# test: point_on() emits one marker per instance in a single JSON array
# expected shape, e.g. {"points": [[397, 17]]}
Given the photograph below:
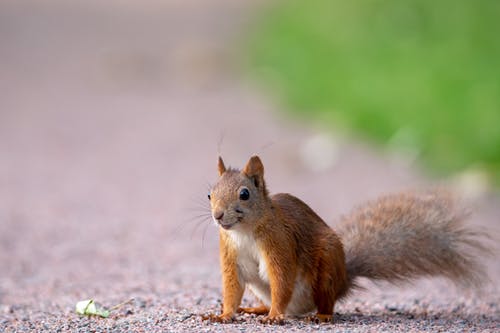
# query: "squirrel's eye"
{"points": [[209, 196], [244, 194]]}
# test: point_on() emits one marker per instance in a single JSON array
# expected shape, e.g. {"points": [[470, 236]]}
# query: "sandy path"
{"points": [[109, 121]]}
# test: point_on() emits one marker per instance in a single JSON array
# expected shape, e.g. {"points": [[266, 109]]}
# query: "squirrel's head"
{"points": [[238, 199]]}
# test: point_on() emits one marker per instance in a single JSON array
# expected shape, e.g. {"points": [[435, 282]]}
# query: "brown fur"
{"points": [[423, 234], [319, 254], [233, 290], [278, 244]]}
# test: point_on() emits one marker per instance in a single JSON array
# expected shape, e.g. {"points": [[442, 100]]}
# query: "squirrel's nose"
{"points": [[218, 215]]}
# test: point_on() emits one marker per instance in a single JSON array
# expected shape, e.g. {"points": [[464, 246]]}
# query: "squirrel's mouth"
{"points": [[227, 226]]}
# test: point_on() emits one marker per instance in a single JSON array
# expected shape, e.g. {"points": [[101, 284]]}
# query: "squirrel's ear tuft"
{"points": [[254, 169], [221, 166]]}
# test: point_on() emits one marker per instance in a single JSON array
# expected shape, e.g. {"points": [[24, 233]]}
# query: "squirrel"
{"points": [[296, 264]]}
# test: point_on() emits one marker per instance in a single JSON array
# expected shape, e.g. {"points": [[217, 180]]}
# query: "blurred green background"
{"points": [[418, 75]]}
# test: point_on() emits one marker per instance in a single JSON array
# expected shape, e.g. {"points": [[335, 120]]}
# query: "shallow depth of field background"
{"points": [[420, 76], [113, 113]]}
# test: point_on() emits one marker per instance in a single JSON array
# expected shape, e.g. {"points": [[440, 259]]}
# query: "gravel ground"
{"points": [[110, 118]]}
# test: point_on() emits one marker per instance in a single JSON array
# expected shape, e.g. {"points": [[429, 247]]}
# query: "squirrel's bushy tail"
{"points": [[401, 237]]}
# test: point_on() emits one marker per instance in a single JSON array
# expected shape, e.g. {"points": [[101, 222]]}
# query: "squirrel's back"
{"points": [[405, 236]]}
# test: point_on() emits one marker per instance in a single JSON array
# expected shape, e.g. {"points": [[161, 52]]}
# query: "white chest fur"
{"points": [[252, 267], [253, 273]]}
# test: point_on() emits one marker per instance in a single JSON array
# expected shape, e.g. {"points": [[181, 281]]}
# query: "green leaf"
{"points": [[89, 308], [86, 307]]}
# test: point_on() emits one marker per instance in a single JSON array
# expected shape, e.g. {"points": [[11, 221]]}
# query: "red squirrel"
{"points": [[295, 264]]}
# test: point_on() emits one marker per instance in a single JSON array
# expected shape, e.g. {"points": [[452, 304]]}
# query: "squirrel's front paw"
{"points": [[274, 319], [223, 318]]}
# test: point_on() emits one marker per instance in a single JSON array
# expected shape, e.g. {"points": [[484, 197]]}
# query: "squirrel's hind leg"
{"points": [[324, 298], [320, 318], [331, 279], [325, 304], [258, 310], [325, 311]]}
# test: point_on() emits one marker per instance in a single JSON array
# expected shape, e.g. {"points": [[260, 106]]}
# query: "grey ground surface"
{"points": [[110, 118]]}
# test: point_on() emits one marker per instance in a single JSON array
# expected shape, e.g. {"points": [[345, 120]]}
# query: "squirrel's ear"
{"points": [[221, 166], [254, 169]]}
